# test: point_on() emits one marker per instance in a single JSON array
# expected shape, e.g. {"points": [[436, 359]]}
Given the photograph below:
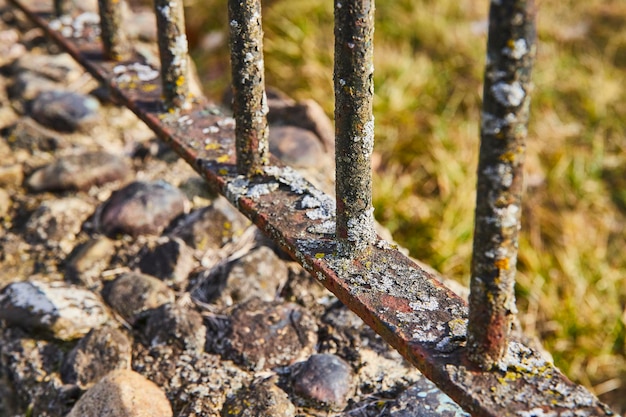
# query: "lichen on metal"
{"points": [[402, 302], [506, 97], [173, 51], [248, 74], [112, 33], [354, 124]]}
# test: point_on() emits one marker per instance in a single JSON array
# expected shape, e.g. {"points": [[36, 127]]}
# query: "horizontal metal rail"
{"points": [[406, 305]]}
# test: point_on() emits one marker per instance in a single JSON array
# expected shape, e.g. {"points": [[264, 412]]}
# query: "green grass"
{"points": [[428, 81]]}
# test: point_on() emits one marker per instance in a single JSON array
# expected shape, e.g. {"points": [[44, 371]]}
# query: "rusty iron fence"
{"points": [[466, 350]]}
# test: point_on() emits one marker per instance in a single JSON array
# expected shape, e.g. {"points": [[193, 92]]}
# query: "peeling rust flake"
{"points": [[407, 306]]}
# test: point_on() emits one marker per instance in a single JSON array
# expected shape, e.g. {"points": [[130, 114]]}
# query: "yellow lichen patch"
{"points": [[319, 255], [180, 81], [222, 159], [508, 157], [222, 171], [148, 87], [212, 146], [502, 264]]}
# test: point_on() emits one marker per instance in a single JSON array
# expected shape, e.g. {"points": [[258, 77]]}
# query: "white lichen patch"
{"points": [[516, 49], [537, 412], [361, 227], [500, 174], [506, 216], [290, 177], [211, 130], [521, 358], [326, 228], [508, 95], [259, 190], [179, 49], [492, 125], [127, 73], [75, 28], [236, 188], [427, 304], [226, 122]]}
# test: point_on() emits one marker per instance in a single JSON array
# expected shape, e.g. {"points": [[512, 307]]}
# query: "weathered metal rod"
{"points": [[506, 99], [113, 36], [173, 50], [354, 124], [248, 72]]}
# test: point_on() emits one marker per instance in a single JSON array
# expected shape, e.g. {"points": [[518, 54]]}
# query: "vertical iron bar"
{"points": [[113, 36], [61, 7], [248, 72], [354, 124], [173, 50], [506, 99]]}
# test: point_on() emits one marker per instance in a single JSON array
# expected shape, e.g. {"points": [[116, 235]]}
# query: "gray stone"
{"points": [[195, 383], [28, 134], [141, 208], [176, 326], [56, 223], [123, 393], [259, 274], [261, 399], [64, 311], [211, 227], [79, 172], [88, 260], [58, 68], [132, 293], [424, 399], [323, 381], [31, 366], [98, 353], [65, 111], [297, 146], [26, 86], [170, 260], [265, 335]]}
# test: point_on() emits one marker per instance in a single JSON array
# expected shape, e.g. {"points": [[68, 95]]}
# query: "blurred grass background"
{"points": [[429, 58]]}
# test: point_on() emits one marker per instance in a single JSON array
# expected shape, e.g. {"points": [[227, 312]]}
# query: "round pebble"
{"points": [[176, 326], [132, 293], [65, 311], [98, 353], [265, 335], [65, 111], [123, 393], [79, 172], [141, 208], [171, 260], [262, 399], [324, 381]]}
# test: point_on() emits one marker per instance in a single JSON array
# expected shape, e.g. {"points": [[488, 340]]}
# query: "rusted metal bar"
{"points": [[354, 124], [506, 98], [112, 33], [402, 302], [61, 7], [249, 100], [173, 50]]}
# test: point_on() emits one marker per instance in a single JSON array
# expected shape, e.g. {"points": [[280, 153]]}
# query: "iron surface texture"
{"points": [[407, 306]]}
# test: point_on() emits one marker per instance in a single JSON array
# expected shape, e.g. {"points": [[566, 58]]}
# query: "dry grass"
{"points": [[429, 62]]}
